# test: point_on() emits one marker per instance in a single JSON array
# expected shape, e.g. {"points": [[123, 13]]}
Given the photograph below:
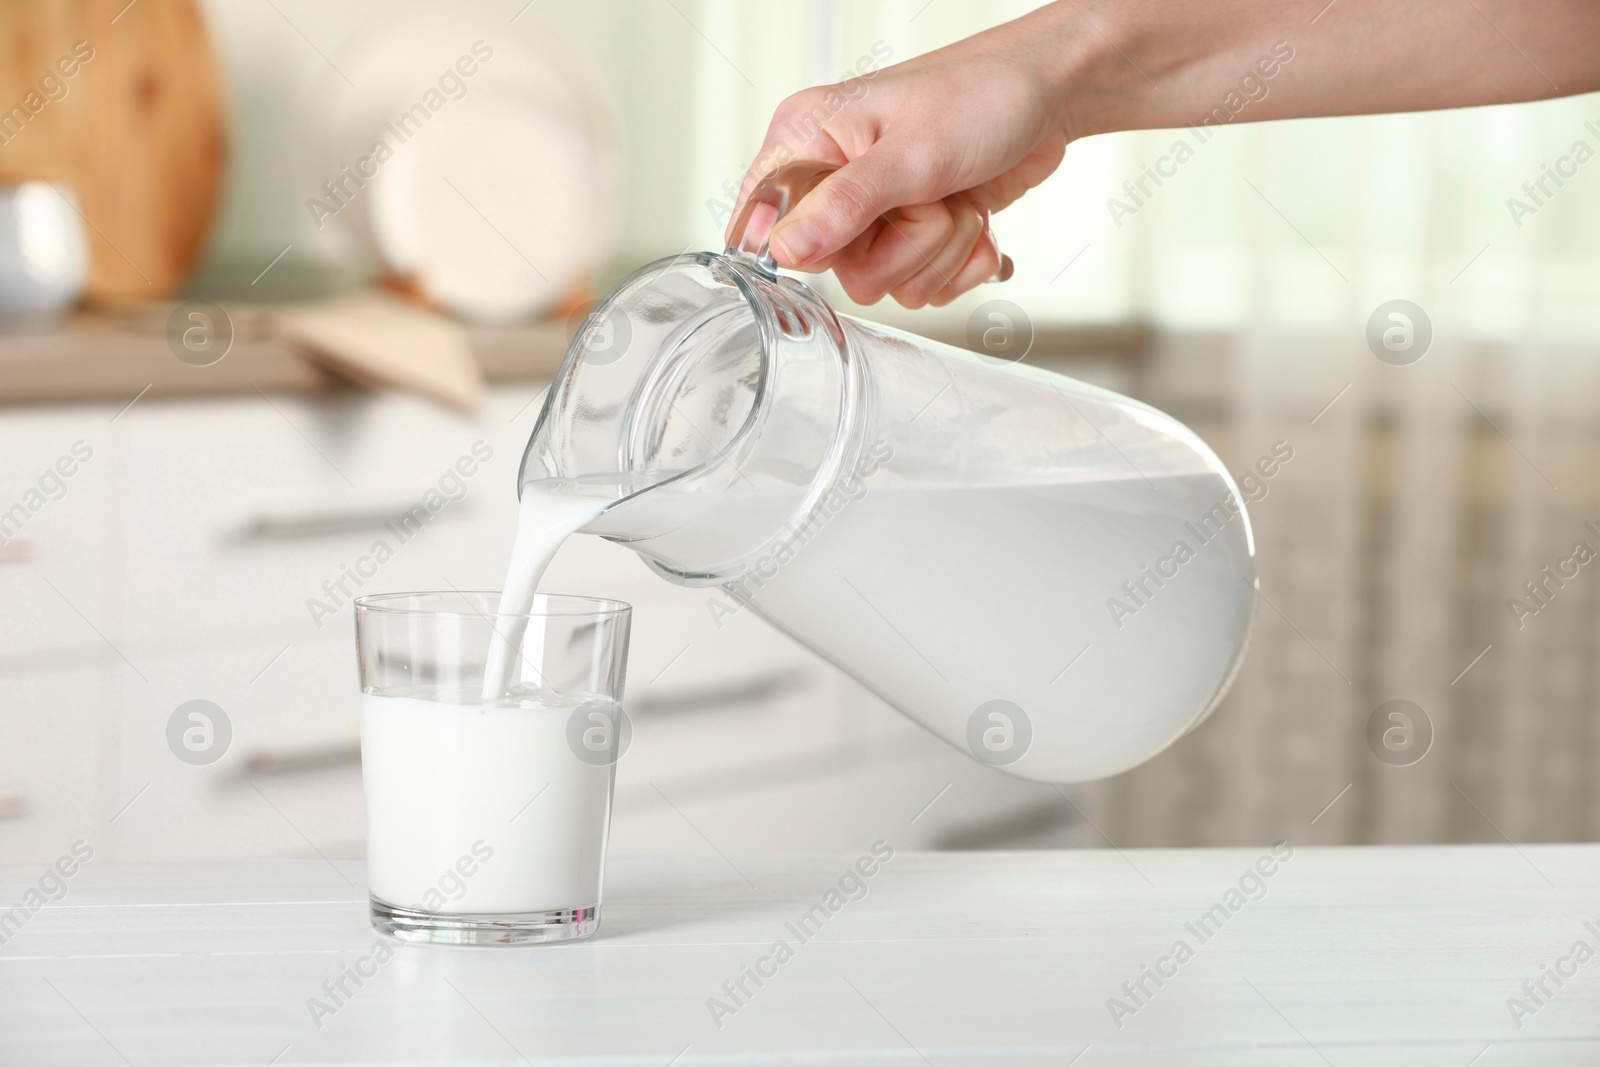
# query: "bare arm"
{"points": [[945, 139], [1351, 57]]}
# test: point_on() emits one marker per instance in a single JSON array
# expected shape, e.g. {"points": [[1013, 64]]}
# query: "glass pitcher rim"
{"points": [[745, 272]]}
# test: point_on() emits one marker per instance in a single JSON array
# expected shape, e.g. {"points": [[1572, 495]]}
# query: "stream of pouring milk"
{"points": [[450, 774], [544, 521]]}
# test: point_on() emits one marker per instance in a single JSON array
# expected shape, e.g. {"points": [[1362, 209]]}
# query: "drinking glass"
{"points": [[487, 819]]}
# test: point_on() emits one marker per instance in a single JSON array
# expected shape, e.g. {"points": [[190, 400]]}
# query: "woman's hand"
{"points": [[925, 153]]}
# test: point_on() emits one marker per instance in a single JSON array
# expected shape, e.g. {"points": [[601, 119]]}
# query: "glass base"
{"points": [[517, 928]]}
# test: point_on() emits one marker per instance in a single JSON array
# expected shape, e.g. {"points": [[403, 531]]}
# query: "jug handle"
{"points": [[783, 188]]}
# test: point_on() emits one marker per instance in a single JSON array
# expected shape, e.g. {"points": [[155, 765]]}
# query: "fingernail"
{"points": [[794, 242]]}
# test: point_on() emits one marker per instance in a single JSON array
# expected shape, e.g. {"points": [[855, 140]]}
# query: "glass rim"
{"points": [[561, 605]]}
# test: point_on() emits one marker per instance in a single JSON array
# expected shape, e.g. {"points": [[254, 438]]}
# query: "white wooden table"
{"points": [[1351, 956]]}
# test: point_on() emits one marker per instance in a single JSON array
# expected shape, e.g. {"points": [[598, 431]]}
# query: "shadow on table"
{"points": [[655, 896]]}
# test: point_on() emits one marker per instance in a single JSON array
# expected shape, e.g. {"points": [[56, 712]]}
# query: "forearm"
{"points": [[949, 137], [1142, 64]]}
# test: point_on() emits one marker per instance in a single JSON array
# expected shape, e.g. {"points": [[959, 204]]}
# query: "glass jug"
{"points": [[1054, 579]]}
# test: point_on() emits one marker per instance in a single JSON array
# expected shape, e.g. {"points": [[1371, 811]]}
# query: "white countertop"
{"points": [[1351, 956]]}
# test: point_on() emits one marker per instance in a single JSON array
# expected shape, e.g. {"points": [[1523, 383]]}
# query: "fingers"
{"points": [[940, 268], [906, 242], [845, 204], [983, 265], [924, 254], [852, 252], [878, 221], [781, 146]]}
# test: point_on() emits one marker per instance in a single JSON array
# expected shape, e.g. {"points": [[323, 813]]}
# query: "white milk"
{"points": [[447, 778], [942, 600], [544, 521]]}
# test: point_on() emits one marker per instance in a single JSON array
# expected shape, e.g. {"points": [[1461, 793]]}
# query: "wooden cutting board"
{"points": [[135, 130]]}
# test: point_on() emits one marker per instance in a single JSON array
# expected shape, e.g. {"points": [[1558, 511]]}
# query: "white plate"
{"points": [[497, 194]]}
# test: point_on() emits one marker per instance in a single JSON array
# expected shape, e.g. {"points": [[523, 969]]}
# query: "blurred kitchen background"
{"points": [[221, 493]]}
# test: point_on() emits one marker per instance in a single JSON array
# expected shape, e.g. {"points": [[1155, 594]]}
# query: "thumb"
{"points": [[844, 204]]}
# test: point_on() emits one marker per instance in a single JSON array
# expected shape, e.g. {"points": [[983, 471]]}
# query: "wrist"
{"points": [[1081, 51], [1149, 64], [1136, 64]]}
